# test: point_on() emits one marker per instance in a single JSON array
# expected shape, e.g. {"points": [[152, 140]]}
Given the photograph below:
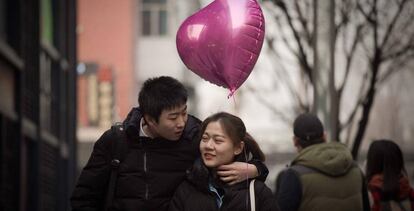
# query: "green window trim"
{"points": [[47, 21]]}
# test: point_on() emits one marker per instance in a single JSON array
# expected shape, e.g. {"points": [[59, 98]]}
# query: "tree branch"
{"points": [[349, 58], [375, 66], [405, 25], [396, 66], [344, 13], [375, 26], [283, 75], [302, 57], [399, 53], [285, 40], [270, 106], [365, 14], [359, 102], [304, 23], [390, 26]]}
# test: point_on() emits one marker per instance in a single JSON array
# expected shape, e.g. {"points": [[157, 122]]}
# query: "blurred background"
{"points": [[70, 69]]}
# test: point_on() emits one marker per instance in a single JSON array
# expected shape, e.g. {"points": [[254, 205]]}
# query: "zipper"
{"points": [[145, 162], [145, 173], [214, 200]]}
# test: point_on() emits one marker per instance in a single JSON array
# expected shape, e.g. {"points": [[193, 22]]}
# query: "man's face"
{"points": [[171, 123]]}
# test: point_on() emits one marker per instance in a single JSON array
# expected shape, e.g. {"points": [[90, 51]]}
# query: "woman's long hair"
{"points": [[385, 157], [236, 130]]}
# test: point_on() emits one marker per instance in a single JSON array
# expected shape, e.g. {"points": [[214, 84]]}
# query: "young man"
{"points": [[323, 176], [161, 144]]}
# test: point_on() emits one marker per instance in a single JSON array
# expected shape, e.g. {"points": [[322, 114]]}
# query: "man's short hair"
{"points": [[161, 93], [308, 129]]}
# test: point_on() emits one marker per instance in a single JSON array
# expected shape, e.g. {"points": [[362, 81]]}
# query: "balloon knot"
{"points": [[232, 92]]}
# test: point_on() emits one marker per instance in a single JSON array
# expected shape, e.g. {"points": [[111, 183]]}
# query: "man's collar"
{"points": [[141, 128]]}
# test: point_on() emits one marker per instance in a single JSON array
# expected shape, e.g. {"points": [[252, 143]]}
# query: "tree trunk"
{"points": [[323, 71], [335, 124], [366, 106]]}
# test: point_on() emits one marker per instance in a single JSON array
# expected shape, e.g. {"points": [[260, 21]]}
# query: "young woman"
{"points": [[387, 178], [224, 140]]}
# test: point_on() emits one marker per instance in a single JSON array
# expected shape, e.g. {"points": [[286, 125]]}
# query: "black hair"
{"points": [[308, 130], [385, 157], [160, 93], [236, 130]]}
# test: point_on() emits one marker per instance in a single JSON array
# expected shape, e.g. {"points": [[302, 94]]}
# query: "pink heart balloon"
{"points": [[222, 41]]}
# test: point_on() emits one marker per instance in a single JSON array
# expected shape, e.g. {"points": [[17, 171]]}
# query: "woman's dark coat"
{"points": [[194, 194]]}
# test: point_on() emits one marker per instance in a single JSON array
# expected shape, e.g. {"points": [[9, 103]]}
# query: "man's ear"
{"points": [[324, 137], [239, 148], [150, 120], [296, 143]]}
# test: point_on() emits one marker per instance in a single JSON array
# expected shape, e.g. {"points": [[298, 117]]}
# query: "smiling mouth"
{"points": [[208, 156]]}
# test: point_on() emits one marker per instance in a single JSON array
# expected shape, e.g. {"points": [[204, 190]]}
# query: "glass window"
{"points": [[154, 18], [146, 23], [2, 20], [7, 87], [162, 22], [10, 28], [45, 91]]}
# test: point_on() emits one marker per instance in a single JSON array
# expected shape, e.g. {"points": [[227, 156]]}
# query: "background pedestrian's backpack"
{"points": [[118, 151]]}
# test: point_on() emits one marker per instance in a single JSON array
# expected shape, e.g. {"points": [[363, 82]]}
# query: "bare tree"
{"points": [[374, 39]]}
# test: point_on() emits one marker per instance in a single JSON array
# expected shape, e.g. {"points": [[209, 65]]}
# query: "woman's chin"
{"points": [[213, 165], [210, 164]]}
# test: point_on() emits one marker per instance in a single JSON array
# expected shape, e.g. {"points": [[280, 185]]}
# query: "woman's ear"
{"points": [[239, 148]]}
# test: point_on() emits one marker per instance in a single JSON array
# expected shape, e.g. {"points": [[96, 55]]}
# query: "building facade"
{"points": [[38, 104], [158, 22], [107, 88]]}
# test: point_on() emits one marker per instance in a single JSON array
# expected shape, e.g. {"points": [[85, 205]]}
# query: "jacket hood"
{"points": [[333, 159], [132, 121], [198, 175]]}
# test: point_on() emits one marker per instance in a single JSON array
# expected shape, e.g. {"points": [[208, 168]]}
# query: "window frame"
{"points": [[154, 9]]}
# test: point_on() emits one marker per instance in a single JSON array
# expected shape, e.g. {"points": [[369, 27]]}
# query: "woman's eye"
{"points": [[204, 138], [218, 141]]}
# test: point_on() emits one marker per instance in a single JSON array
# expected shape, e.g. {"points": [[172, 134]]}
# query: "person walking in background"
{"points": [[388, 183], [149, 154], [323, 176], [224, 140]]}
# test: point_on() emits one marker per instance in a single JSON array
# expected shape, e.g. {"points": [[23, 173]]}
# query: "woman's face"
{"points": [[216, 147]]}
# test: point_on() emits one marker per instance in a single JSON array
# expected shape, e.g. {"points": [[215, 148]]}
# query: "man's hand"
{"points": [[236, 172]]}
